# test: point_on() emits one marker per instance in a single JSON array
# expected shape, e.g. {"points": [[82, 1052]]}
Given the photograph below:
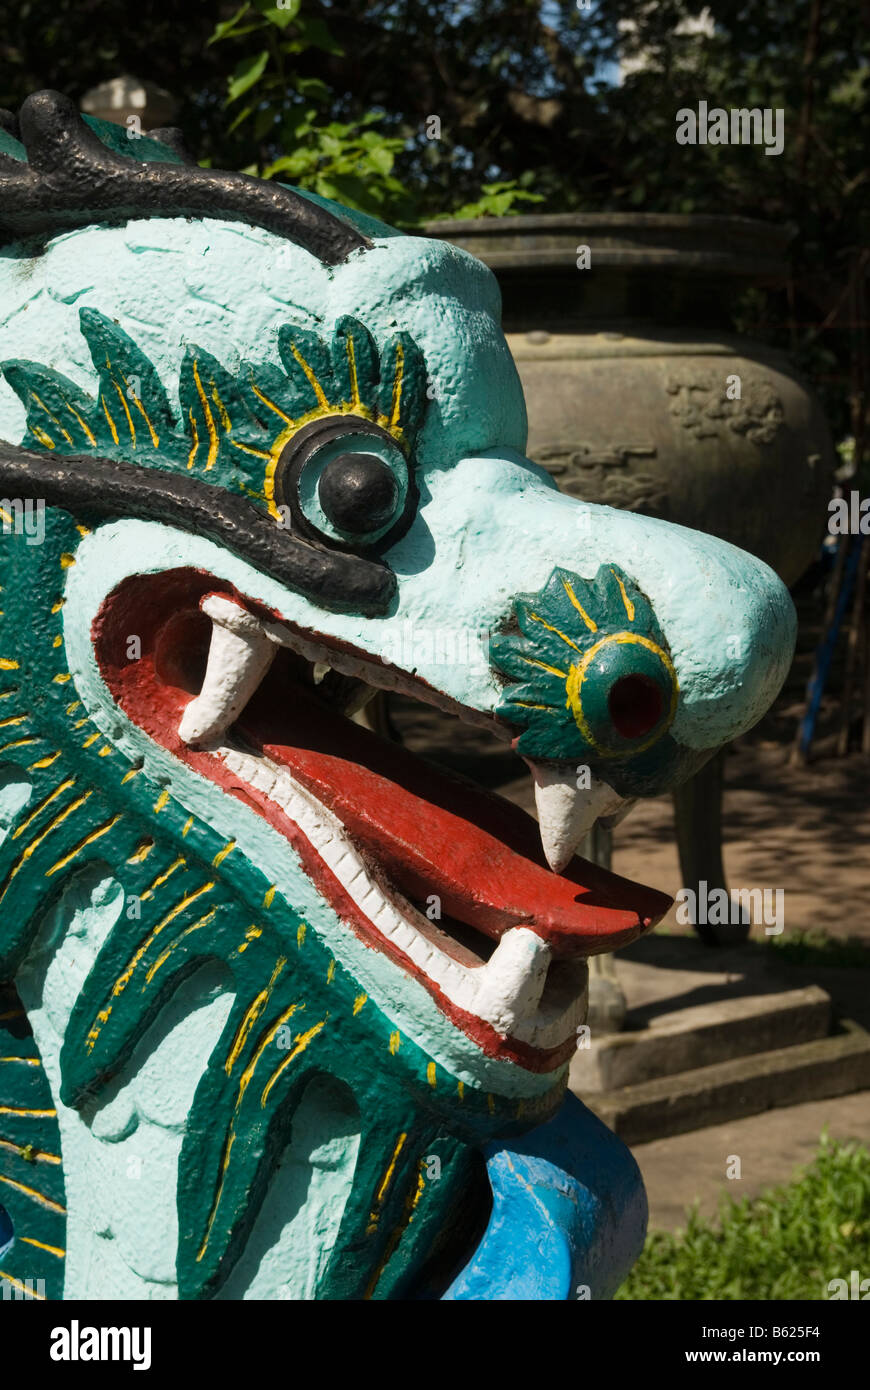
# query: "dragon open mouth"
{"points": [[448, 880]]}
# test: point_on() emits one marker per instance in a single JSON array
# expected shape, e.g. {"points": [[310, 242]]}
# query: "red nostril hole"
{"points": [[635, 704]]}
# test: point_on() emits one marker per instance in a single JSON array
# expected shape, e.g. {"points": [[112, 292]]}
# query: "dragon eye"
{"points": [[346, 480], [358, 492]]}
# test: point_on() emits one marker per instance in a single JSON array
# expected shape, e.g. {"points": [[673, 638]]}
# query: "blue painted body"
{"points": [[552, 1235]]}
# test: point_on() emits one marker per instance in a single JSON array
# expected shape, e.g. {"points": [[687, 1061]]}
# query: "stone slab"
{"points": [[832, 1066], [700, 1036]]}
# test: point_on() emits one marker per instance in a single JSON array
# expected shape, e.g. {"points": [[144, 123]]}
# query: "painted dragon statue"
{"points": [[288, 1010]]}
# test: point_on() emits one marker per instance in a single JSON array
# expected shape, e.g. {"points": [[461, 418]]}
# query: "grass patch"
{"points": [[786, 1243], [815, 947]]}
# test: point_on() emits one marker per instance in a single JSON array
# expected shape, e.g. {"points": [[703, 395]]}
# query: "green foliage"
{"points": [[498, 200], [349, 161], [816, 948], [787, 1243], [527, 104]]}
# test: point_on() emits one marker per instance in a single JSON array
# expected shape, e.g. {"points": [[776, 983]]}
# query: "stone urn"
{"points": [[640, 396]]}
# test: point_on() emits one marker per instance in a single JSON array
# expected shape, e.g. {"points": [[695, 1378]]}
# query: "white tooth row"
{"points": [[241, 652], [506, 992]]}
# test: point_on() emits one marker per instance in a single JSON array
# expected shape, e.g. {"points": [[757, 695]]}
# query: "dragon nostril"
{"points": [[635, 704]]}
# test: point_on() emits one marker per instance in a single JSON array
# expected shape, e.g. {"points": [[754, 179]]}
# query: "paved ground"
{"points": [[770, 1147]]}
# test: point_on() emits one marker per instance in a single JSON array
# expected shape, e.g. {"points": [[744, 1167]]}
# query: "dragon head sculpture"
{"points": [[282, 983]]}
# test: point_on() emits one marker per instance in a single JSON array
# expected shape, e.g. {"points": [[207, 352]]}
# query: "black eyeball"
{"points": [[358, 493]]}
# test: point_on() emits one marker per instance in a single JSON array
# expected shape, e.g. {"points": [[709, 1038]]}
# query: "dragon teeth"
{"points": [[566, 812], [510, 985], [239, 656]]}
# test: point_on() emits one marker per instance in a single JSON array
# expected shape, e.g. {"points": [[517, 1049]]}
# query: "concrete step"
{"points": [[700, 1036], [688, 1100]]}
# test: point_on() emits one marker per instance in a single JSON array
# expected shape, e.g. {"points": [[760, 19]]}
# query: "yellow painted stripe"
{"points": [[97, 834], [550, 628], [542, 666], [40, 1245], [312, 379], [271, 404], [40, 402], [226, 422], [34, 844], [46, 801], [112, 426], [222, 853], [31, 1192], [374, 1214], [590, 623], [247, 449], [629, 606], [252, 1013], [28, 1152], [26, 1114], [188, 931], [44, 762], [163, 876], [350, 353], [122, 398], [299, 1046], [126, 975], [398, 377], [18, 743], [17, 1284], [43, 438], [244, 1081], [191, 458], [145, 416], [85, 428], [411, 1202], [209, 418]]}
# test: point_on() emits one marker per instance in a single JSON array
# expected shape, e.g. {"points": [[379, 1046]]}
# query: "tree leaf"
{"points": [[281, 15], [229, 25], [247, 72]]}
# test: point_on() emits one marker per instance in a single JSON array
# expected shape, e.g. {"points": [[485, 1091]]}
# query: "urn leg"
{"points": [[606, 1012], [698, 815]]}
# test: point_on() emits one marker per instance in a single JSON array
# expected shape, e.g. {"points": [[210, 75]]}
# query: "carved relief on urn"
{"points": [[639, 396]]}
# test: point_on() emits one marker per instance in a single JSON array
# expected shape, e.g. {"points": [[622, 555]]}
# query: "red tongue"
{"points": [[433, 833]]}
